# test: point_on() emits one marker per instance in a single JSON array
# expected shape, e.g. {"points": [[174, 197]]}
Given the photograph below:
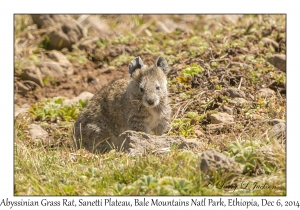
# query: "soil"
{"points": [[87, 77]]}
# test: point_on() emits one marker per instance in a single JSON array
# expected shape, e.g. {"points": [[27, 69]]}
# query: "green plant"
{"points": [[183, 127], [254, 77], [219, 87], [78, 57], [188, 73], [45, 43], [54, 109], [250, 155], [121, 60]]}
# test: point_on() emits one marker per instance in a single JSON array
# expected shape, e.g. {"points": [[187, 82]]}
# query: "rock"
{"points": [[275, 121], [82, 96], [21, 88], [279, 61], [235, 93], [52, 69], [189, 144], [213, 161], [22, 109], [221, 117], [226, 109], [139, 143], [268, 41], [99, 27], [66, 30], [231, 18], [87, 43], [226, 18], [168, 26], [266, 92], [63, 61], [239, 101], [278, 130], [38, 134], [214, 127], [32, 73]]}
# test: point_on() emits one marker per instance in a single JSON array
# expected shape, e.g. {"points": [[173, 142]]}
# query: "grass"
{"points": [[199, 64], [61, 171]]}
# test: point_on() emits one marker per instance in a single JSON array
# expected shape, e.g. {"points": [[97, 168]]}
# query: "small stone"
{"points": [[214, 127], [226, 109], [19, 110], [189, 144], [278, 130], [266, 92], [233, 19], [168, 26], [221, 117], [32, 73], [268, 41], [239, 101], [65, 30], [38, 134], [52, 69], [275, 121], [140, 143], [235, 93], [63, 61], [82, 96], [279, 61], [59, 57], [99, 27], [87, 43], [213, 161]]}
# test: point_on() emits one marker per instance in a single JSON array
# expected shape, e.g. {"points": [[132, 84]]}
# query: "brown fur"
{"points": [[139, 104]]}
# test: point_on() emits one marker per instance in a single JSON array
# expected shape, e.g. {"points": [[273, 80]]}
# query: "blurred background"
{"points": [[67, 54]]}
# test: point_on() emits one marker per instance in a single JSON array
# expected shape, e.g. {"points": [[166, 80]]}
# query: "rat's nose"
{"points": [[150, 102]]}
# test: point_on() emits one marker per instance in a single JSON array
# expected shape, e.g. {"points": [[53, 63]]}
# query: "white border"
{"points": [[154, 6]]}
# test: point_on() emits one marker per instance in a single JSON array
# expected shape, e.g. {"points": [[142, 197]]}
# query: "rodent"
{"points": [[139, 103]]}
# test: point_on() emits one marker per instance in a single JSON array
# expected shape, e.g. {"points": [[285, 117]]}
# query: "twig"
{"points": [[82, 18], [31, 82], [144, 27], [223, 56], [266, 134], [279, 94], [240, 83], [185, 107], [217, 60], [211, 54], [178, 110], [208, 74]]}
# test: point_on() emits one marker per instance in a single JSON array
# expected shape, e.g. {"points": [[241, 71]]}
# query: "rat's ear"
{"points": [[136, 63], [162, 63]]}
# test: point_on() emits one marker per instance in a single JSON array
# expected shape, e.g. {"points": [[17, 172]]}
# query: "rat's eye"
{"points": [[157, 87], [142, 89]]}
